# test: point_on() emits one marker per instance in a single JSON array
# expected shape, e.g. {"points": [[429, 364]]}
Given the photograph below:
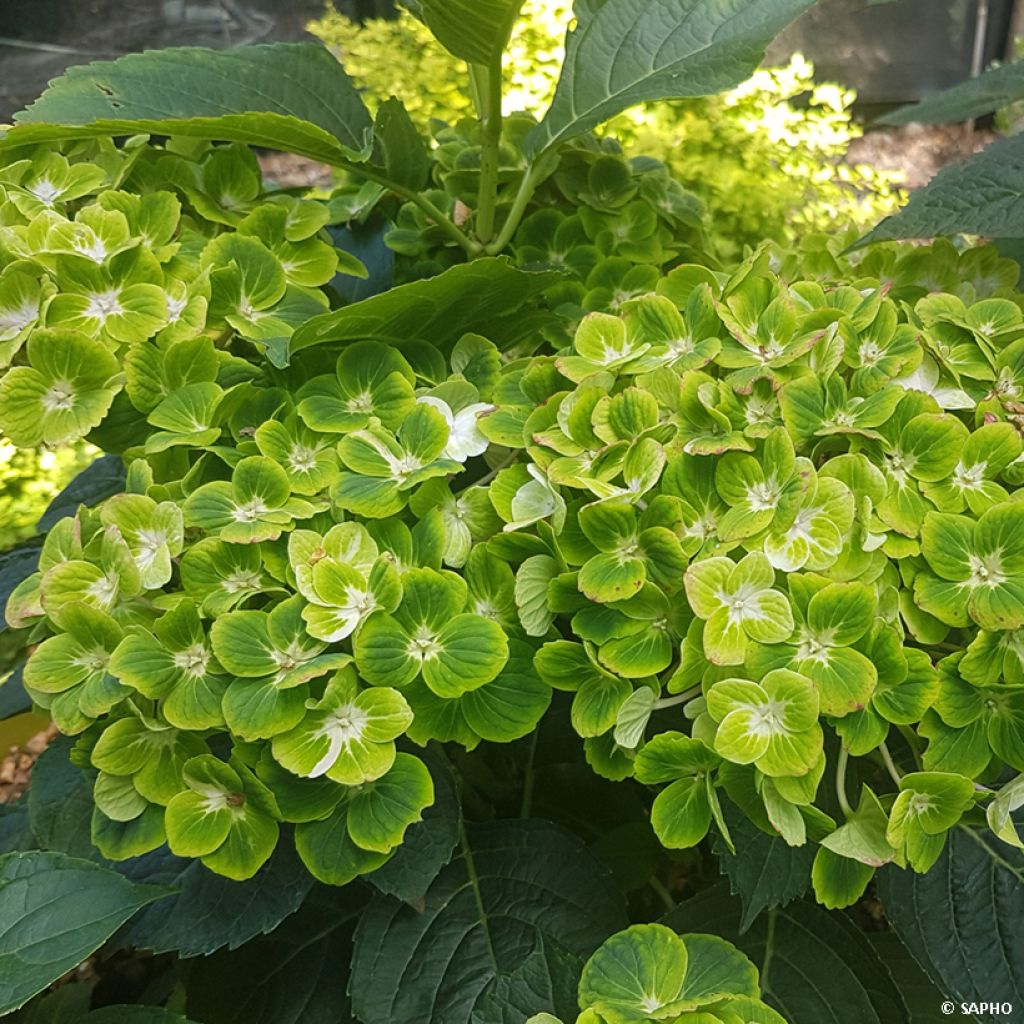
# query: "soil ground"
{"points": [[16, 766], [918, 151]]}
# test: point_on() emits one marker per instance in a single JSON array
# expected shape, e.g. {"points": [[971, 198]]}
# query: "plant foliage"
{"points": [[766, 158], [398, 594]]}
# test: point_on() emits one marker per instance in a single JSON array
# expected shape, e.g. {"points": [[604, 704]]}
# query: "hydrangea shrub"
{"points": [[679, 555]]}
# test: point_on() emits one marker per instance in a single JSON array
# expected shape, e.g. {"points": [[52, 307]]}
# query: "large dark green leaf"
{"points": [[984, 196], [60, 803], [289, 96], [135, 1015], [443, 308], [477, 31], [366, 243], [97, 481], [964, 919], [764, 871], [296, 975], [919, 993], [816, 966], [209, 912], [428, 844], [14, 831], [991, 90], [54, 911], [508, 921], [624, 53], [13, 698]]}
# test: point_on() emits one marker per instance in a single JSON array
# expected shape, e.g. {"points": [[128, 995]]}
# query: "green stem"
{"points": [[526, 189], [890, 765], [914, 742], [489, 86], [663, 894], [769, 950], [844, 804], [488, 477], [471, 248], [682, 698], [474, 884], [526, 806]]}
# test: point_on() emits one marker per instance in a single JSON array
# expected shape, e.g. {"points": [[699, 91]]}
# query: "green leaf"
{"points": [[379, 812], [963, 919], [289, 96], [982, 196], [399, 147], [55, 911], [504, 898], [476, 31], [296, 975], [993, 89], [60, 803], [206, 911], [209, 912], [13, 698], [622, 55], [764, 871], [135, 1015], [468, 297], [647, 971], [428, 844], [817, 967]]}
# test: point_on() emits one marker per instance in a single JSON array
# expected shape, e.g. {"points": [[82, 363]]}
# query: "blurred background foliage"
{"points": [[767, 158], [30, 480]]}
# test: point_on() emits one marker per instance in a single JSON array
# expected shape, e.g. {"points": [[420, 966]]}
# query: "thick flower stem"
{"points": [[489, 91]]}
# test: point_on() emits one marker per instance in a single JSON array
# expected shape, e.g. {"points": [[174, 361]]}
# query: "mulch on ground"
{"points": [[16, 766]]}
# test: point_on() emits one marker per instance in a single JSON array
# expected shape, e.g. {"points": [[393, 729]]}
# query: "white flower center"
{"points": [[301, 459], [104, 590], [423, 646], [175, 307], [763, 497], [987, 571], [93, 248], [242, 579], [766, 719], [405, 466], [361, 403], [94, 661], [870, 353], [249, 512], [45, 191], [18, 319], [104, 304], [193, 660], [970, 478], [61, 396]]}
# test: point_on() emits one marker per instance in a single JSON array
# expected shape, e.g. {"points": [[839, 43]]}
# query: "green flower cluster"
{"points": [[113, 256], [736, 516], [648, 972]]}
